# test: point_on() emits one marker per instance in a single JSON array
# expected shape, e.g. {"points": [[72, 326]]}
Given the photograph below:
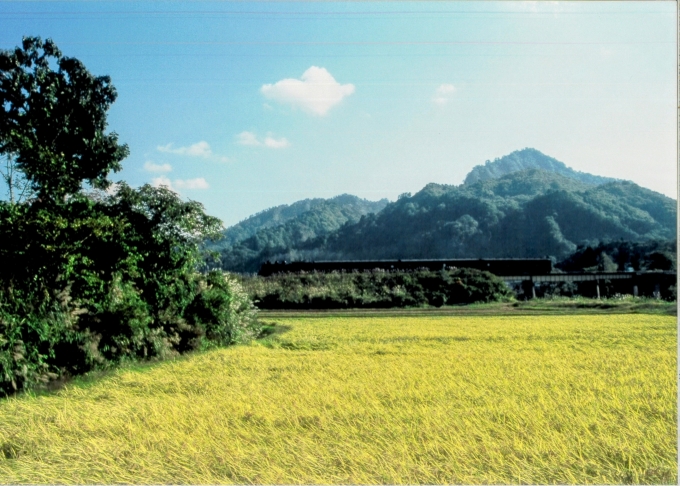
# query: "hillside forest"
{"points": [[523, 205]]}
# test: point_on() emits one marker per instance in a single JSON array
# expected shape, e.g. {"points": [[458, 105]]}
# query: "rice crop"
{"points": [[390, 400]]}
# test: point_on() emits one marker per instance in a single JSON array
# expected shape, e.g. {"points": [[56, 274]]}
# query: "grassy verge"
{"points": [[548, 306], [462, 399]]}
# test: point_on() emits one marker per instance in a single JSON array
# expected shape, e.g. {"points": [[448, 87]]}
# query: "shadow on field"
{"points": [[271, 329]]}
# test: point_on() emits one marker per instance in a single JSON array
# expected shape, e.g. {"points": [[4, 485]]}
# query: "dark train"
{"points": [[497, 266]]}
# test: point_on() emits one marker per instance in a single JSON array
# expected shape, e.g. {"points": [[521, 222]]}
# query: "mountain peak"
{"points": [[529, 158]]}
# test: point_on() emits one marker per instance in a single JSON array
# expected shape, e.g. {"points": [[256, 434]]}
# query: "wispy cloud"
{"points": [[316, 91], [199, 149], [274, 143], [177, 184], [443, 94], [606, 51], [161, 181], [198, 183], [153, 167], [249, 138]]}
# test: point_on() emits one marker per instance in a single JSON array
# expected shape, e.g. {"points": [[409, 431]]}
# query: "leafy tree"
{"points": [[53, 119], [621, 256], [93, 278], [661, 261]]}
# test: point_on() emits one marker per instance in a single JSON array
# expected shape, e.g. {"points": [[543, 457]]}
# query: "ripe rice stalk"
{"points": [[399, 400]]}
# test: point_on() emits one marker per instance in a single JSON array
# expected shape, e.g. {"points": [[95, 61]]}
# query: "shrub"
{"points": [[374, 289], [69, 340], [26, 345], [223, 310]]}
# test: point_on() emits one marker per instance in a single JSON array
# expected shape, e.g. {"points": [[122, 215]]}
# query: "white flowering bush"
{"points": [[224, 310]]}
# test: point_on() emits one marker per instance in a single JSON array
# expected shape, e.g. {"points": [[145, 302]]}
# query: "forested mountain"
{"points": [[283, 228], [526, 213], [279, 215], [530, 213], [529, 158]]}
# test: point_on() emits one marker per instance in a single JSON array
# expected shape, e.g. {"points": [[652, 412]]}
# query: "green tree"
{"points": [[91, 277], [53, 120]]}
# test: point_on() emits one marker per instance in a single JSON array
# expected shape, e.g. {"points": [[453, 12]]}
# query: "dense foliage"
{"points": [[622, 256], [94, 278], [344, 208], [377, 289], [275, 231], [53, 121]]}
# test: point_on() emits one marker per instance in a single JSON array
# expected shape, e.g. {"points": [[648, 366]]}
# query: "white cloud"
{"points": [[273, 143], [198, 183], [152, 167], [161, 181], [199, 149], [315, 92], [443, 94], [249, 138]]}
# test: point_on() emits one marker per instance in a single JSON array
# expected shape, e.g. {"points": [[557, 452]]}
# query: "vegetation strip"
{"points": [[556, 306]]}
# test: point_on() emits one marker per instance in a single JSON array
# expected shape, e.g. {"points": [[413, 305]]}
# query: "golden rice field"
{"points": [[515, 399]]}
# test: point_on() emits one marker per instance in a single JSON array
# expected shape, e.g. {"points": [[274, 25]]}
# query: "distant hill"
{"points": [[531, 213], [529, 158], [525, 213], [284, 227], [279, 215]]}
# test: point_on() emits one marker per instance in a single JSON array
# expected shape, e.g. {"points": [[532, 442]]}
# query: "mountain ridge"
{"points": [[531, 212], [279, 215], [322, 217]]}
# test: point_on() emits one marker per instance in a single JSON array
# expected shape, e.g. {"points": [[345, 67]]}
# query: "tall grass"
{"points": [[566, 399]]}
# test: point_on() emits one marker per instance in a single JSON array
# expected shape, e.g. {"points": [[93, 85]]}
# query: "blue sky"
{"points": [[245, 106]]}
